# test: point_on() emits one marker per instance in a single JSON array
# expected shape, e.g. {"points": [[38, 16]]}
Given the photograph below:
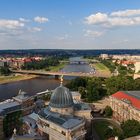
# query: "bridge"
{"points": [[56, 74]]}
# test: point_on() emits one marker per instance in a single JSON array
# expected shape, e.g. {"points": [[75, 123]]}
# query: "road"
{"points": [[77, 74]]}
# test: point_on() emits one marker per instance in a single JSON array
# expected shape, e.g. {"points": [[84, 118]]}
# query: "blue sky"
{"points": [[69, 24]]}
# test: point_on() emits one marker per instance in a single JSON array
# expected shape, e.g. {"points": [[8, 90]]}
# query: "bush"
{"points": [[108, 111], [130, 128]]}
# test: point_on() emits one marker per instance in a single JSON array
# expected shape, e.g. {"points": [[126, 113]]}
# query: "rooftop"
{"points": [[135, 94], [21, 96], [131, 97], [61, 98], [82, 106], [65, 121], [75, 93], [6, 107]]}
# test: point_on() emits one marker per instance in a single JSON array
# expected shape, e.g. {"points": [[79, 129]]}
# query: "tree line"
{"points": [[4, 71], [45, 63], [93, 89]]}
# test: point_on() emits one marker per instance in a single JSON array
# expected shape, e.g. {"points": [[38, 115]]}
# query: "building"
{"points": [[3, 64], [76, 96], [125, 105], [104, 56], [137, 67], [27, 102], [9, 114], [12, 110], [63, 119]]}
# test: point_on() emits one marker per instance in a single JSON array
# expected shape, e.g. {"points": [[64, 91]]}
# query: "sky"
{"points": [[69, 24]]}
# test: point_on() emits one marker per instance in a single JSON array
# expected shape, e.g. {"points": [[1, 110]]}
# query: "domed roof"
{"points": [[61, 98]]}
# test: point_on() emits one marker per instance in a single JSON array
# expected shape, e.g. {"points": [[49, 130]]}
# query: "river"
{"points": [[35, 85]]}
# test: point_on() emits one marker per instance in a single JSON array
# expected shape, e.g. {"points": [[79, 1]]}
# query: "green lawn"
{"points": [[57, 68], [101, 66], [12, 78]]}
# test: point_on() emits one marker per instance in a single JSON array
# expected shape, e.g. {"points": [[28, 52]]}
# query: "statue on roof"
{"points": [[61, 80]]}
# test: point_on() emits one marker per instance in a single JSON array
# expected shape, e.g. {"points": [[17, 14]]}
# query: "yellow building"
{"points": [[125, 105]]}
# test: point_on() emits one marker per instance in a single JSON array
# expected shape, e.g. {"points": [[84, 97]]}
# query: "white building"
{"points": [[137, 66], [63, 119]]}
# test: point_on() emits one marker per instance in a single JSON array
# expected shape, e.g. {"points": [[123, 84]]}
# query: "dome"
{"points": [[61, 98]]}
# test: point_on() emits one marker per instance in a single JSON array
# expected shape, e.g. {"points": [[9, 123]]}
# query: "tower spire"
{"points": [[61, 80]]}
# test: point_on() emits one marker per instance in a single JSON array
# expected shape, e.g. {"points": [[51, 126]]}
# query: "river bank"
{"points": [[15, 78]]}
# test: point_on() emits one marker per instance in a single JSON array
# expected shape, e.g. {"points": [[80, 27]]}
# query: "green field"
{"points": [[100, 66], [57, 68], [12, 78]]}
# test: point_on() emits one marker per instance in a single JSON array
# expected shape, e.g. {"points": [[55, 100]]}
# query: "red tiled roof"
{"points": [[121, 95]]}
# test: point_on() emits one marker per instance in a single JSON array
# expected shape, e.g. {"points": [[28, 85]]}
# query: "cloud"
{"points": [[126, 13], [96, 18], [10, 24], [35, 29], [23, 19], [119, 18], [41, 19], [60, 38], [123, 41], [93, 34]]}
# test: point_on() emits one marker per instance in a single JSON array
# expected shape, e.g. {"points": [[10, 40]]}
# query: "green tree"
{"points": [[108, 111], [4, 71], [95, 90], [120, 82], [130, 128], [46, 63], [122, 70], [77, 82], [82, 91], [11, 121]]}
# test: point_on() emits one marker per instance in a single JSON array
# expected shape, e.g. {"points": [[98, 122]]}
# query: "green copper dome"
{"points": [[61, 98]]}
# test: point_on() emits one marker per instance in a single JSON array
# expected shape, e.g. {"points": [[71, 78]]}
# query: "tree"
{"points": [[130, 128], [11, 121], [122, 70], [108, 111], [82, 91], [4, 71], [77, 82], [120, 82], [46, 63], [90, 88], [94, 89]]}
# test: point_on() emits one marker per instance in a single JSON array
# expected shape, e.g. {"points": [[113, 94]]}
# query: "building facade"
{"points": [[125, 105], [9, 115], [137, 67], [63, 119], [26, 102]]}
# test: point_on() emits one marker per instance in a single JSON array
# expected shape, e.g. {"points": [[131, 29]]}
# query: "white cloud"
{"points": [[121, 41], [94, 34], [60, 38], [35, 29], [126, 13], [41, 19], [23, 19], [120, 18], [96, 18], [10, 24]]}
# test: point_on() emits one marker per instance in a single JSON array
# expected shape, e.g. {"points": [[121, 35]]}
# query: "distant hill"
{"points": [[61, 52]]}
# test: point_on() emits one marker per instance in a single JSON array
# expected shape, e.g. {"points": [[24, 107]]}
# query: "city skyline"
{"points": [[52, 24]]}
